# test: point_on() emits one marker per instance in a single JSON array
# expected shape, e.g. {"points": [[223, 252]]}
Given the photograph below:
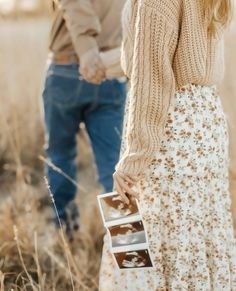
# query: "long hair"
{"points": [[219, 14]]}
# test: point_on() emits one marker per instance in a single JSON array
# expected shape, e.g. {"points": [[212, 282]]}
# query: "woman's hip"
{"points": [[195, 137]]}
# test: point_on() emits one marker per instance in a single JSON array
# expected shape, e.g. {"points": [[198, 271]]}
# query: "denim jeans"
{"points": [[68, 100]]}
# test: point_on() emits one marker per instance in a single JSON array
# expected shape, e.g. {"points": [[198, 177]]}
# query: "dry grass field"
{"points": [[33, 256]]}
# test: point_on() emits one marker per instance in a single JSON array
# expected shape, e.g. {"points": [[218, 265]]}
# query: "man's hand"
{"points": [[123, 185], [91, 67]]}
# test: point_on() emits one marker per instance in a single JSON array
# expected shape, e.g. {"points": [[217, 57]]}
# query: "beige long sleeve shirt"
{"points": [[79, 25]]}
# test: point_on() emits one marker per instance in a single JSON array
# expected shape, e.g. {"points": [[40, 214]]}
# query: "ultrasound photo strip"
{"points": [[114, 211], [128, 237]]}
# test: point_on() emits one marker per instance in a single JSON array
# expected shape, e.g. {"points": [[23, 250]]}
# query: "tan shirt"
{"points": [[166, 46], [79, 25]]}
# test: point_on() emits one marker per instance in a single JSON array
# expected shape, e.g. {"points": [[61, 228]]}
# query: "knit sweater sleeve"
{"points": [[152, 88]]}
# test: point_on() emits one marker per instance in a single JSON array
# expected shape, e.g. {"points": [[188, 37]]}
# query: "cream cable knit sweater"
{"points": [[166, 45]]}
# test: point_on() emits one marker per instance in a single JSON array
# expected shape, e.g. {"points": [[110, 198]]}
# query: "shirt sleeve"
{"points": [[152, 88], [82, 23], [111, 61]]}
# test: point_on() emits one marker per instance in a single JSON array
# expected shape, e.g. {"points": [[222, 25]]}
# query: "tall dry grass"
{"points": [[33, 255]]}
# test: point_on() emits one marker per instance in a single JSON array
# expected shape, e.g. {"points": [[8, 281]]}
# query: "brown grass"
{"points": [[33, 255]]}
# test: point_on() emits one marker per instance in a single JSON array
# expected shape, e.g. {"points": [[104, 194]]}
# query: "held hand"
{"points": [[123, 185], [91, 67]]}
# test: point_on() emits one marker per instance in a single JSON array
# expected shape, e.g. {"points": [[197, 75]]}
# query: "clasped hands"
{"points": [[92, 68]]}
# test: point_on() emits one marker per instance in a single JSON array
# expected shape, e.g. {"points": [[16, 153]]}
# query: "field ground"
{"points": [[33, 256]]}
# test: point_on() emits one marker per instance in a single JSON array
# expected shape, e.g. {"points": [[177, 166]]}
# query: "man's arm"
{"points": [[84, 25], [82, 22]]}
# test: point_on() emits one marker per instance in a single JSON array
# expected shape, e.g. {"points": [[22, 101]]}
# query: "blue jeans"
{"points": [[67, 102]]}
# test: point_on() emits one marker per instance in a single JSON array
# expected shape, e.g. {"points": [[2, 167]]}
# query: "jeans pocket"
{"points": [[61, 90]]}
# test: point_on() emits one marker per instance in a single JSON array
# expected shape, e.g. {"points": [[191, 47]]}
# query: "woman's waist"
{"points": [[198, 90]]}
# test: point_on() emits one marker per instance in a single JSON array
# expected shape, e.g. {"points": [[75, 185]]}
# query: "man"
{"points": [[83, 33]]}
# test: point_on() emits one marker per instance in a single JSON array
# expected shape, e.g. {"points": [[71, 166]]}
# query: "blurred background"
{"points": [[33, 256], [20, 7]]}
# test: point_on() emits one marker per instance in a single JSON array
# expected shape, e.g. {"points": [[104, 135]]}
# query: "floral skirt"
{"points": [[185, 203]]}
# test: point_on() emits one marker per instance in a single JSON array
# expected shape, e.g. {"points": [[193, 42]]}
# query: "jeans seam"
{"points": [[94, 104]]}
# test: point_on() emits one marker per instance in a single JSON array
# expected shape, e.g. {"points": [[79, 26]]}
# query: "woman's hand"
{"points": [[123, 185]]}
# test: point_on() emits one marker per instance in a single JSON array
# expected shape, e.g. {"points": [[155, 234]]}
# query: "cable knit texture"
{"points": [[166, 45]]}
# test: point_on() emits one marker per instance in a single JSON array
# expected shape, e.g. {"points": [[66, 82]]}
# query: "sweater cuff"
{"points": [[85, 43], [133, 168]]}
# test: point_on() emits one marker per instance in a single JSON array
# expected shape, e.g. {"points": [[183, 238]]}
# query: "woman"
{"points": [[175, 149]]}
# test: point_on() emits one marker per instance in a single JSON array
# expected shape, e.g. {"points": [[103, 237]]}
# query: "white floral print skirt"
{"points": [[185, 203]]}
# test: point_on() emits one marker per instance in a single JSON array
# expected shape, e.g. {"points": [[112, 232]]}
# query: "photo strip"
{"points": [[113, 209], [128, 237], [127, 234], [137, 258]]}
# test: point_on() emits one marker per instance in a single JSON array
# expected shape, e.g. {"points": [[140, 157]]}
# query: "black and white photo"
{"points": [[134, 259], [127, 234], [113, 208]]}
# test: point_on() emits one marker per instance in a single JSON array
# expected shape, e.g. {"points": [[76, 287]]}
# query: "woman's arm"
{"points": [[111, 61], [152, 88]]}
